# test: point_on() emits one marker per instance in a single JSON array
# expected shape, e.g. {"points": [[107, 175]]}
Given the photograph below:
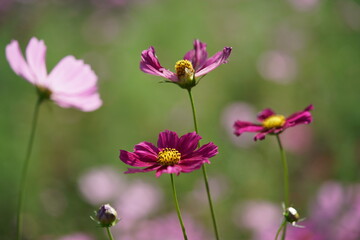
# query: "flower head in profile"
{"points": [[71, 83], [188, 70], [272, 123], [171, 155]]}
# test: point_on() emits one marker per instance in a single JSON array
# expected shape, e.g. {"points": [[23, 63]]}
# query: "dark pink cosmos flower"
{"points": [[172, 154], [71, 83], [194, 64], [273, 123]]}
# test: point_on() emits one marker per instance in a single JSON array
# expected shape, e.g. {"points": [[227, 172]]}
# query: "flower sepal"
{"points": [[43, 93]]}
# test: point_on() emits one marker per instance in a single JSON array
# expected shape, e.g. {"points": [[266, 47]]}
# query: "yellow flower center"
{"points": [[274, 121], [184, 70], [168, 157]]}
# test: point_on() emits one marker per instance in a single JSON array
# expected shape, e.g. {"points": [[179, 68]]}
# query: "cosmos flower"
{"points": [[172, 154], [272, 123], [71, 83], [188, 70]]}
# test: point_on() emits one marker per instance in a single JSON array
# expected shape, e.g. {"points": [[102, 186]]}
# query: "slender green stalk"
{"points": [[280, 228], [109, 233], [25, 169], [177, 207], [204, 171], [286, 181]]}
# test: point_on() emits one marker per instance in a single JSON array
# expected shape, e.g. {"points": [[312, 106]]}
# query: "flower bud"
{"points": [[291, 215], [106, 216]]}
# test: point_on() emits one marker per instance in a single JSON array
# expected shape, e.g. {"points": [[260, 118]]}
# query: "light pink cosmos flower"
{"points": [[71, 83], [194, 64], [172, 154], [273, 123]]}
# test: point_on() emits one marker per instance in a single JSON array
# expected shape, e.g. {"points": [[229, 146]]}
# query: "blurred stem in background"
{"points": [[177, 207], [204, 170], [286, 187], [25, 168]]}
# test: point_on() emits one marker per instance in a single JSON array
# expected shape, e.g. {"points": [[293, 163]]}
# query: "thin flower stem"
{"points": [[109, 233], [286, 181], [204, 171], [25, 169], [280, 228], [177, 207]]}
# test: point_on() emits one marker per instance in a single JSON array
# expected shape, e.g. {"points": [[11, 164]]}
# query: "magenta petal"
{"points": [[146, 151], [148, 169], [261, 135], [168, 169], [150, 64], [191, 166], [296, 115], [198, 55], [214, 62], [17, 62], [265, 114], [132, 159], [241, 127], [168, 139], [202, 154], [188, 143]]}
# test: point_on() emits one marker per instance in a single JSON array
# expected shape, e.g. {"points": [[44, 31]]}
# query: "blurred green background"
{"points": [[286, 55]]}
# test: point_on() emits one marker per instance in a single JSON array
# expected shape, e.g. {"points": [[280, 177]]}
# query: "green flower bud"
{"points": [[106, 216]]}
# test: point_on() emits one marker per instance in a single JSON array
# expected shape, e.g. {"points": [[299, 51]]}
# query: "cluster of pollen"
{"points": [[168, 157], [184, 70], [274, 121]]}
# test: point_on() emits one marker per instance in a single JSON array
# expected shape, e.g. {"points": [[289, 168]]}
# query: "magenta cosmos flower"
{"points": [[272, 123], [172, 154], [188, 70], [71, 83]]}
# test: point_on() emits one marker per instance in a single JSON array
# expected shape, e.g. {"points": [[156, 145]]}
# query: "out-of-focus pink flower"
{"points": [[219, 188], [304, 5], [132, 206], [350, 12], [101, 185], [172, 154], [298, 140], [76, 236], [273, 123], [166, 228], [336, 210], [258, 216], [233, 112], [334, 215], [277, 66], [71, 83], [194, 64]]}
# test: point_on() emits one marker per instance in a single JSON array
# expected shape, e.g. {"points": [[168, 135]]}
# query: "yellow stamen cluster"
{"points": [[184, 70], [274, 121], [168, 157]]}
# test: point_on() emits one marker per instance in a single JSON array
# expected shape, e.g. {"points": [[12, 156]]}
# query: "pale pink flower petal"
{"points": [[72, 83], [35, 56], [17, 61]]}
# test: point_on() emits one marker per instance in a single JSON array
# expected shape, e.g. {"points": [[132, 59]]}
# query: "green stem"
{"points": [[25, 169], [204, 170], [280, 228], [177, 207], [109, 233], [286, 180]]}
